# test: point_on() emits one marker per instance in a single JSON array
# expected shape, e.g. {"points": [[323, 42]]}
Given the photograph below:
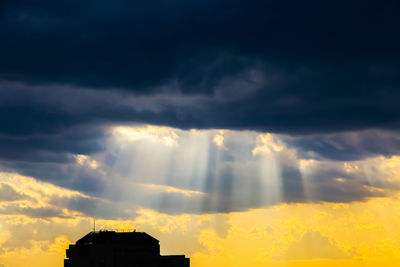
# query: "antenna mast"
{"points": [[94, 225]]}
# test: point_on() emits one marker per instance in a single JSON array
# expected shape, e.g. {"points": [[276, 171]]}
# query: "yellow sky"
{"points": [[314, 234]]}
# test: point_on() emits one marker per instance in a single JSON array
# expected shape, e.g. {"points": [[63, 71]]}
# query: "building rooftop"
{"points": [[112, 237]]}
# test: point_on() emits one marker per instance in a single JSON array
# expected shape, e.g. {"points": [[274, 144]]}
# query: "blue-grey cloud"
{"points": [[8, 193], [95, 207], [33, 212], [348, 146]]}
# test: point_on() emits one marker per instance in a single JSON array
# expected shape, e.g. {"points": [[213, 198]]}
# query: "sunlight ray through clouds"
{"points": [[222, 197], [230, 174]]}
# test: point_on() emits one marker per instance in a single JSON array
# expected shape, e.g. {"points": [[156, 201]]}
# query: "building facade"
{"points": [[120, 249]]}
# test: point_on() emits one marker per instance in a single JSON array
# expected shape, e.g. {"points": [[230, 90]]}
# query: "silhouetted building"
{"points": [[120, 249]]}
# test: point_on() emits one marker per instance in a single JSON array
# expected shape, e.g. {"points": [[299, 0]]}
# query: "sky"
{"points": [[240, 133]]}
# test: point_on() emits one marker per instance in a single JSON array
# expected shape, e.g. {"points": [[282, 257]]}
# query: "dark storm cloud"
{"points": [[141, 44], [281, 66], [50, 148]]}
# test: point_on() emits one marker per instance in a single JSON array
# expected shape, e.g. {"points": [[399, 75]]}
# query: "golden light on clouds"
{"points": [[221, 207], [171, 189], [219, 138], [32, 190], [165, 135], [85, 160], [266, 144]]}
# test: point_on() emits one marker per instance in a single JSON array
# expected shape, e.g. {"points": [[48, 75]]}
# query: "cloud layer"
{"points": [[285, 67], [200, 171]]}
